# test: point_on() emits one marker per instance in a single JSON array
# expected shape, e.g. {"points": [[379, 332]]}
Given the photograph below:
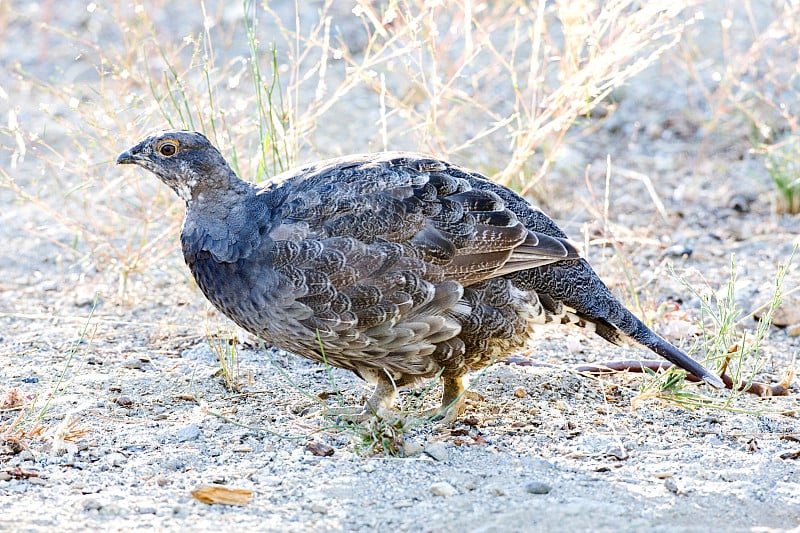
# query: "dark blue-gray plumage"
{"points": [[402, 266]]}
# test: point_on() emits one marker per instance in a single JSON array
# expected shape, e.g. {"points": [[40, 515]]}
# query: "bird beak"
{"points": [[126, 158]]}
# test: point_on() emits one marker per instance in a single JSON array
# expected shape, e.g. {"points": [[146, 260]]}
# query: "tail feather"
{"points": [[649, 339], [597, 310]]}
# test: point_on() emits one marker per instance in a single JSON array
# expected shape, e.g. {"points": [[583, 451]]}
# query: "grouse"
{"points": [[396, 266]]}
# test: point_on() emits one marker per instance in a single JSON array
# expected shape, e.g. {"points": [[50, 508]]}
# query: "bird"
{"points": [[397, 266]]}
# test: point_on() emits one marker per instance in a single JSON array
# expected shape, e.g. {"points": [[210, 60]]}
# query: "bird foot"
{"points": [[444, 414], [350, 414], [358, 414]]}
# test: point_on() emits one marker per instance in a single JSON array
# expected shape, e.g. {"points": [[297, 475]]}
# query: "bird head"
{"points": [[184, 160]]}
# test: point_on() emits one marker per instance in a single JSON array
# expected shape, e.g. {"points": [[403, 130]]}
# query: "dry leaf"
{"points": [[320, 449], [222, 495], [18, 472]]}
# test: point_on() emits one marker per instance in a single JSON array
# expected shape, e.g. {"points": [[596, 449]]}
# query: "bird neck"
{"points": [[223, 222]]}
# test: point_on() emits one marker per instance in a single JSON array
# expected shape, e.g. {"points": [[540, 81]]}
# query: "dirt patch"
{"points": [[132, 382]]}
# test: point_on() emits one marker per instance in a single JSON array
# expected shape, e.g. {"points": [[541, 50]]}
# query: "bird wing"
{"points": [[429, 207]]}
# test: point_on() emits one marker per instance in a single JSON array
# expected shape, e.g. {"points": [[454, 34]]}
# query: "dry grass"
{"points": [[497, 85], [754, 88]]}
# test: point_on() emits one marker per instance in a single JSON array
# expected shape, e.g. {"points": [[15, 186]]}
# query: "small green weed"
{"points": [[734, 350]]}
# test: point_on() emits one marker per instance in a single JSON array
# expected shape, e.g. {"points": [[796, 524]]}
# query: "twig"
{"points": [[628, 365]]}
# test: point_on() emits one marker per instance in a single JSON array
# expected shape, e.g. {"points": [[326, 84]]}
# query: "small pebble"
{"points": [[671, 485], [498, 491], [537, 487], [92, 505], [175, 464], [617, 452], [320, 449], [788, 314], [112, 509], [678, 250], [242, 448], [443, 489], [85, 297], [793, 330], [25, 455], [664, 474], [115, 459], [471, 421], [438, 451], [124, 401], [187, 433], [368, 468], [317, 508], [412, 447], [519, 392], [133, 364]]}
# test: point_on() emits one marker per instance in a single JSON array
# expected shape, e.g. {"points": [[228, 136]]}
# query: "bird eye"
{"points": [[167, 149]]}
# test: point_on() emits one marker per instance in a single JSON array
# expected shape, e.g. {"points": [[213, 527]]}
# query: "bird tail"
{"points": [[643, 335], [594, 307]]}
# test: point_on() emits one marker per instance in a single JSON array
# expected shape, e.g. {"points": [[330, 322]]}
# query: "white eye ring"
{"points": [[168, 149]]}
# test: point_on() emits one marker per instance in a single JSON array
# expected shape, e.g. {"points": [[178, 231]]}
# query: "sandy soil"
{"points": [[540, 447]]}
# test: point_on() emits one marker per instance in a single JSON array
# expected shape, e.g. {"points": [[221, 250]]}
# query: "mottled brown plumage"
{"points": [[402, 266]]}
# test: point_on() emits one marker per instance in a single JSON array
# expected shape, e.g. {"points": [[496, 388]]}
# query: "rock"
{"points": [[115, 459], [132, 364], [520, 392], [537, 487], [124, 401], [92, 505], [443, 489], [671, 485], [25, 455], [617, 452], [793, 330], [438, 451], [318, 508], [498, 491], [320, 449], [187, 433], [112, 509], [787, 315], [678, 250], [200, 352], [86, 297], [412, 447]]}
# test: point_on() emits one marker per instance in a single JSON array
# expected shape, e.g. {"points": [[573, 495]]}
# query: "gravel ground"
{"points": [[539, 448]]}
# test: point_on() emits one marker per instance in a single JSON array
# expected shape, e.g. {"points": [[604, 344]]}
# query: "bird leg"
{"points": [[382, 398], [452, 401]]}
